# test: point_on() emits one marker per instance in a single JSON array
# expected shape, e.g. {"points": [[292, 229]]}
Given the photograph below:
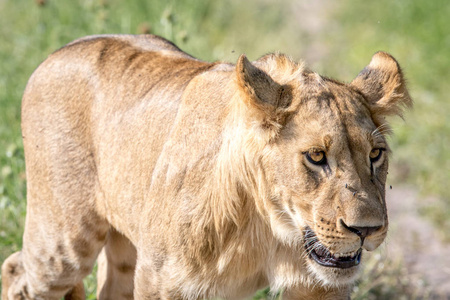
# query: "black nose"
{"points": [[362, 232]]}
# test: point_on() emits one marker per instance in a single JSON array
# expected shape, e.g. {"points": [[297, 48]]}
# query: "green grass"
{"points": [[29, 32], [386, 278], [416, 32]]}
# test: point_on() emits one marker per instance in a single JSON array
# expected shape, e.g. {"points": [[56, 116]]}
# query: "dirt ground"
{"points": [[414, 240]]}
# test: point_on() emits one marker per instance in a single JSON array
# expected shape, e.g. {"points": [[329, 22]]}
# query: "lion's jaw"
{"points": [[330, 263]]}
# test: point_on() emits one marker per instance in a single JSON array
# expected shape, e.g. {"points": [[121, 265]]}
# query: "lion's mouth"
{"points": [[323, 257]]}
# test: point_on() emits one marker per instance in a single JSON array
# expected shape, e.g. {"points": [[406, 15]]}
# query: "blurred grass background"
{"points": [[336, 39]]}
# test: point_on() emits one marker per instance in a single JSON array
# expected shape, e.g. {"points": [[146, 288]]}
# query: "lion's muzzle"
{"points": [[321, 255]]}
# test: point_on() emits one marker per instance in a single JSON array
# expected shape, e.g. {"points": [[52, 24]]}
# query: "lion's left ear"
{"points": [[383, 84], [265, 100]]}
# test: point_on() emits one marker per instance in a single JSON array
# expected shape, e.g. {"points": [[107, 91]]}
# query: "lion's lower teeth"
{"points": [[326, 254], [347, 255]]}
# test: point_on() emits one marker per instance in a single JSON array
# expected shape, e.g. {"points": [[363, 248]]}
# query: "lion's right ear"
{"points": [[383, 84], [263, 97]]}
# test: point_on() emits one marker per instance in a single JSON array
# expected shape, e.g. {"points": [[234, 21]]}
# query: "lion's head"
{"points": [[322, 157]]}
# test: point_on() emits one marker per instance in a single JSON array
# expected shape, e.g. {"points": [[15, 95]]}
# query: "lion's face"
{"points": [[327, 164], [330, 167]]}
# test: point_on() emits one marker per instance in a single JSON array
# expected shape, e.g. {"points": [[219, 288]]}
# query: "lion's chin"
{"points": [[330, 276]]}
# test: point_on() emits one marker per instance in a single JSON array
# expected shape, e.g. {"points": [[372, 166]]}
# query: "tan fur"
{"points": [[195, 174]]}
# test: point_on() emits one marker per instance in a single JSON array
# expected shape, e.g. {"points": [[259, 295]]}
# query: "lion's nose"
{"points": [[362, 232]]}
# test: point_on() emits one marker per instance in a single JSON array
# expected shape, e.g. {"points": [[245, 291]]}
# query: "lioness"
{"points": [[200, 179]]}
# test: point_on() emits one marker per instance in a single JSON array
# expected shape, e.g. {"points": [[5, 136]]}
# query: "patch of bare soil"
{"points": [[415, 240]]}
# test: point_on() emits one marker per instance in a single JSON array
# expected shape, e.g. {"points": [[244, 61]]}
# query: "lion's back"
{"points": [[106, 104], [99, 82]]}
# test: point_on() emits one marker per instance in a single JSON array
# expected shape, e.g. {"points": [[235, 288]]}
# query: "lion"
{"points": [[198, 179]]}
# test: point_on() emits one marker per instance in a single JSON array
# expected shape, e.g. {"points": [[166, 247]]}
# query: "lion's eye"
{"points": [[316, 157], [375, 154]]}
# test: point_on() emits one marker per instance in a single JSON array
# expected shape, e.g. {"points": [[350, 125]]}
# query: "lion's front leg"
{"points": [[158, 276], [148, 283]]}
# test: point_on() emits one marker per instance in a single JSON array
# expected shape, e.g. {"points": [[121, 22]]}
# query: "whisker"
{"points": [[383, 129]]}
